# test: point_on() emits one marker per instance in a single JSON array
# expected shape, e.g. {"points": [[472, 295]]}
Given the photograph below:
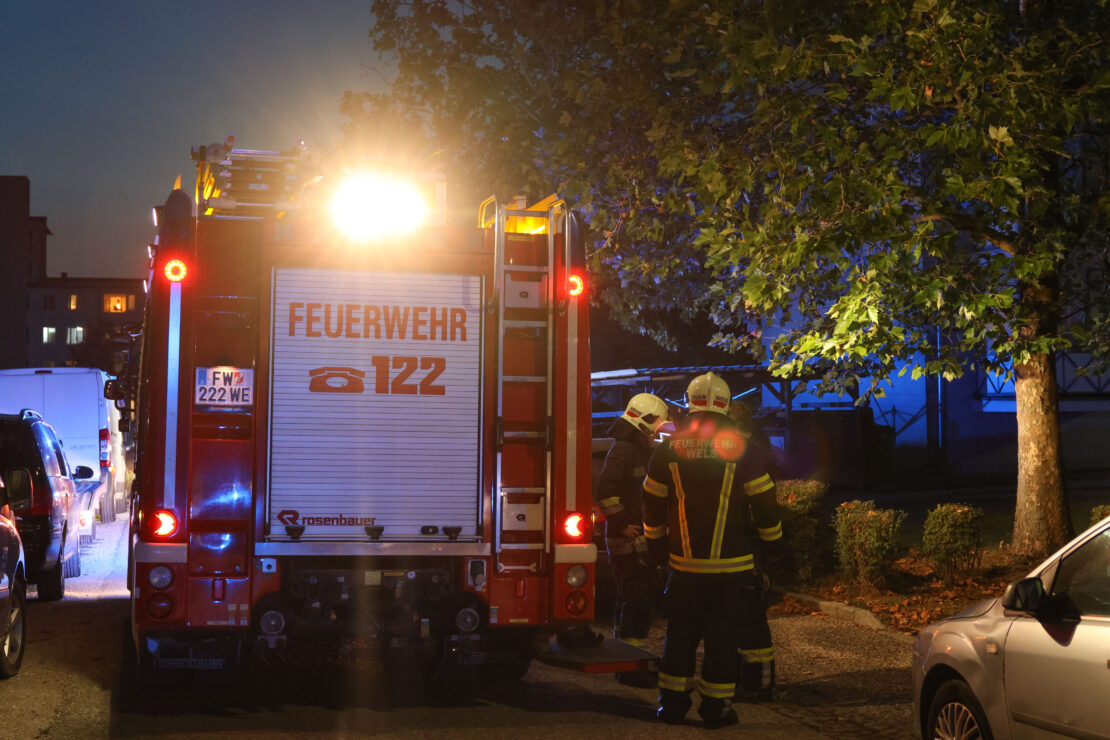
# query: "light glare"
{"points": [[367, 206]]}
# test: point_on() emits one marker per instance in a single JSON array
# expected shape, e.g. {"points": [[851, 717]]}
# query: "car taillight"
{"points": [[575, 526], [164, 524]]}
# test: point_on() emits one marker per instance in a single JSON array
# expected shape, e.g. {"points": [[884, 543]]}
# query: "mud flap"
{"points": [[608, 656]]}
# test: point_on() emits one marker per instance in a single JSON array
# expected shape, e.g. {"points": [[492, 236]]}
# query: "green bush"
{"points": [[867, 540], [1099, 513], [953, 540], [798, 499]]}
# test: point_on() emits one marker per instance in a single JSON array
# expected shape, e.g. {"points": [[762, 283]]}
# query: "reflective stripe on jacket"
{"points": [[704, 490]]}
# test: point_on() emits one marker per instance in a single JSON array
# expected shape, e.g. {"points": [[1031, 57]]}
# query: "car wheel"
{"points": [[955, 714], [11, 649], [52, 583], [73, 565]]}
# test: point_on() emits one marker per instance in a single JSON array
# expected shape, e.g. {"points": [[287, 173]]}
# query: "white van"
{"points": [[71, 400]]}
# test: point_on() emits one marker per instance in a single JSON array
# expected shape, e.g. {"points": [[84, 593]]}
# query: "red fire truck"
{"points": [[367, 438]]}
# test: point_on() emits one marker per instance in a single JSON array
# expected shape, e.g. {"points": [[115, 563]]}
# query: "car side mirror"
{"points": [[17, 481], [124, 425], [114, 390], [1024, 596], [82, 472]]}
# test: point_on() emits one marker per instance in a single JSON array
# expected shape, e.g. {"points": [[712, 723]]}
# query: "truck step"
{"points": [[608, 656]]}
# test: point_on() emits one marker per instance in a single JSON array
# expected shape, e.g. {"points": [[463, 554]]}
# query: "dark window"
{"points": [[18, 448], [48, 301], [1084, 575]]}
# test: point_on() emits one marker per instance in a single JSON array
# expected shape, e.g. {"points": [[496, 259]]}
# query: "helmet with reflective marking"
{"points": [[646, 412], [708, 392]]}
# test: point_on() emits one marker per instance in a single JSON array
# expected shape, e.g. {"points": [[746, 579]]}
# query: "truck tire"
{"points": [[52, 583], [108, 508]]}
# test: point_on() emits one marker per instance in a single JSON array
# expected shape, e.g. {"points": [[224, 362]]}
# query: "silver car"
{"points": [[1032, 664]]}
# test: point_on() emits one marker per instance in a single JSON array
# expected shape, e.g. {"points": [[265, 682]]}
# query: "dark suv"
{"points": [[13, 573], [50, 525]]}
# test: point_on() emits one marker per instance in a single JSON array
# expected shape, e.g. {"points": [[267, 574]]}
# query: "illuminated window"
{"points": [[75, 335], [72, 301], [115, 303], [49, 334]]}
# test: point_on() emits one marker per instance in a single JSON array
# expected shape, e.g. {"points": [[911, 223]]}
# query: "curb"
{"points": [[845, 613]]}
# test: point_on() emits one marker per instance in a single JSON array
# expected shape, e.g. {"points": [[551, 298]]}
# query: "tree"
{"points": [[886, 183]]}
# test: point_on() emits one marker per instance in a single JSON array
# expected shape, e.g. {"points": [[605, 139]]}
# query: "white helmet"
{"points": [[646, 412], [708, 392]]}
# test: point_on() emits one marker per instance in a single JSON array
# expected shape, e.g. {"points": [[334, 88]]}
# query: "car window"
{"points": [[54, 462], [1084, 575], [18, 448]]}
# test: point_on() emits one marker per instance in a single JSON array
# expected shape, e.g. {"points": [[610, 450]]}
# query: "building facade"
{"points": [[82, 322], [63, 321]]}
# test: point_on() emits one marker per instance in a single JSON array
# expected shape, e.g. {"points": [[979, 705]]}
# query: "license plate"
{"points": [[224, 387]]}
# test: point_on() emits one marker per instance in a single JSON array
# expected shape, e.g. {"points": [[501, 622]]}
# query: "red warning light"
{"points": [[577, 285], [165, 523], [175, 271], [575, 526]]}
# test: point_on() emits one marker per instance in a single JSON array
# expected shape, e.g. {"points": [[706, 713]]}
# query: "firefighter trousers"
{"points": [[756, 657], [701, 606], [634, 577]]}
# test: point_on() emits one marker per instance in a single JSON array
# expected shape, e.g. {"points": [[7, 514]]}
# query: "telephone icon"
{"points": [[336, 380]]}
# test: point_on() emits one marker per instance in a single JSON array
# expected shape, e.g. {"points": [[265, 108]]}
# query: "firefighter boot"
{"points": [[716, 713], [673, 706], [757, 682]]}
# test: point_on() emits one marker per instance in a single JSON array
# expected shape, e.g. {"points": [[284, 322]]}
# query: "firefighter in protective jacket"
{"points": [[618, 494], [702, 496]]}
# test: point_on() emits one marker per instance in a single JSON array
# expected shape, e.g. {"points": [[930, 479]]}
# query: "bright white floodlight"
{"points": [[367, 206]]}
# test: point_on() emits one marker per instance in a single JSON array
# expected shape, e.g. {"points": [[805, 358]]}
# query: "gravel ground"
{"points": [[841, 679]]}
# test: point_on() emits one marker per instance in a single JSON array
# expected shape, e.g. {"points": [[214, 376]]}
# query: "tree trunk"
{"points": [[1041, 519]]}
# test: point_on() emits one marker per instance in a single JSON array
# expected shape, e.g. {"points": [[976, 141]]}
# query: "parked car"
{"points": [[16, 494], [49, 524], [1030, 664], [72, 400]]}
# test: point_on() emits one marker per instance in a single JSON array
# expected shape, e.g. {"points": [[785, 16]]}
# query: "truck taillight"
{"points": [[159, 606], [576, 602], [575, 526], [164, 524], [105, 449], [175, 271], [576, 285]]}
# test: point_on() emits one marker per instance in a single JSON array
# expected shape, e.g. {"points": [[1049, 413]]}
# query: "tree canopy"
{"points": [[871, 184]]}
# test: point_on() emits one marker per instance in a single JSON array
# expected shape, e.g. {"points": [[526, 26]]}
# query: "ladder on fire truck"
{"points": [[524, 298]]}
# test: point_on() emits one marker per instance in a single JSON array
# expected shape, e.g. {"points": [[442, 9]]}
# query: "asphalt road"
{"points": [[838, 680]]}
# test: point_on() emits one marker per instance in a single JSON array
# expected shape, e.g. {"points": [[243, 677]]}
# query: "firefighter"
{"points": [[702, 494], [618, 494]]}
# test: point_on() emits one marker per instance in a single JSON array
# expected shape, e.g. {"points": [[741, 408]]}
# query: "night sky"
{"points": [[101, 101]]}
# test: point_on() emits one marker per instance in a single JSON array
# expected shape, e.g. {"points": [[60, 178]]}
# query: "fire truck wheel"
{"points": [[52, 583]]}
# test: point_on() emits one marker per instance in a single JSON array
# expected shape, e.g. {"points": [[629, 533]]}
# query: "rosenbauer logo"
{"points": [[293, 518]]}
